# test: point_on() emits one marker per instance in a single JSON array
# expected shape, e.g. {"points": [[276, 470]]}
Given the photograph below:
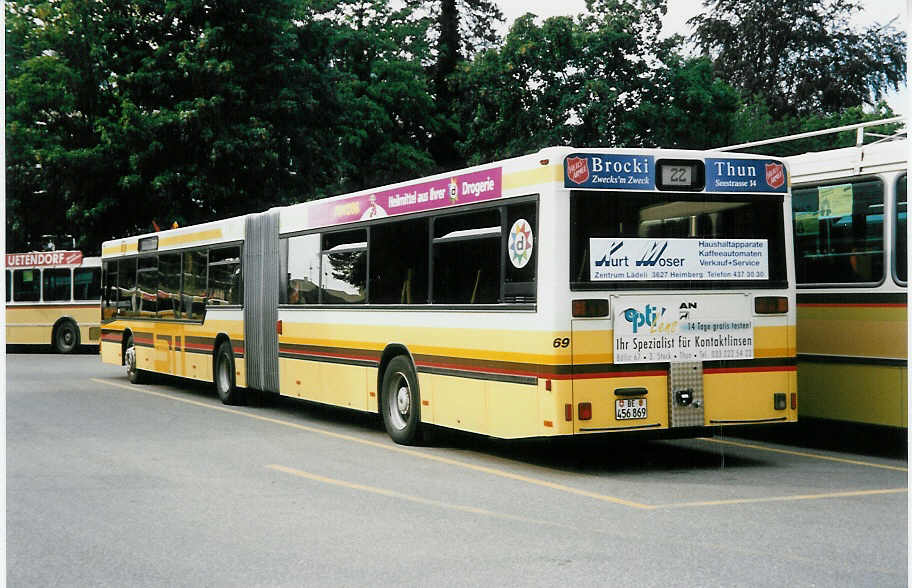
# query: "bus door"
{"points": [[261, 299]]}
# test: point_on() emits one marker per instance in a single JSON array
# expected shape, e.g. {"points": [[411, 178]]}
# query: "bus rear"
{"points": [[682, 289]]}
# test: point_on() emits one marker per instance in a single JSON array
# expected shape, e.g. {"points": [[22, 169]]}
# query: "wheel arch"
{"points": [[389, 352], [219, 339], [127, 333]]}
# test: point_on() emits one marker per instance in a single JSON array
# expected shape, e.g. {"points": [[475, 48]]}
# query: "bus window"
{"points": [[520, 248], [467, 258], [87, 283], [27, 285], [343, 276], [673, 216], [56, 285], [302, 270], [225, 285], [839, 233], [127, 299], [9, 285], [147, 284], [900, 224], [193, 291], [169, 279], [399, 262]]}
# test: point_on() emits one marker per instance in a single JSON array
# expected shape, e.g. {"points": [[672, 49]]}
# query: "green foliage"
{"points": [[802, 56], [386, 114], [603, 78], [121, 113]]}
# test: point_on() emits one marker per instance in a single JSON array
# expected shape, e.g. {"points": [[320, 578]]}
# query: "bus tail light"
{"points": [[771, 305], [794, 401], [779, 401], [589, 308], [278, 327], [585, 411]]}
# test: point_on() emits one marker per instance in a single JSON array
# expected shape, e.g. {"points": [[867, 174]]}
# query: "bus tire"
{"points": [[134, 374], [400, 401], [223, 372], [66, 337]]}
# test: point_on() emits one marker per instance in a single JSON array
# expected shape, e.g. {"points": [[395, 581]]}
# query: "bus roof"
{"points": [[849, 161], [518, 176]]}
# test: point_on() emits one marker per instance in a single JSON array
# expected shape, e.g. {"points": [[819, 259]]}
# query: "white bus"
{"points": [[568, 292], [52, 297]]}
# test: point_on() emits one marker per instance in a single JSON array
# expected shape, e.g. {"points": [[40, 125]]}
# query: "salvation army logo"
{"points": [[775, 175], [520, 243], [577, 169]]}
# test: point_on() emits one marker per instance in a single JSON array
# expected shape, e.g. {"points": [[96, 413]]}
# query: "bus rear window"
{"points": [[637, 236]]}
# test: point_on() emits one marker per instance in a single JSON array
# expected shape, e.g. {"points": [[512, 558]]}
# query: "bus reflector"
{"points": [[278, 327], [771, 305], [548, 385], [794, 401], [568, 412], [585, 411], [593, 307]]}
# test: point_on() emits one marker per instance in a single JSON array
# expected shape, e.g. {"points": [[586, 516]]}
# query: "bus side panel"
{"points": [[869, 394], [747, 395], [460, 403], [34, 324], [514, 410], [853, 330], [111, 352]]}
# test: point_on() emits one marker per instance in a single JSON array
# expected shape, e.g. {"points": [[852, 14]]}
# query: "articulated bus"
{"points": [[52, 297], [850, 258], [568, 292]]}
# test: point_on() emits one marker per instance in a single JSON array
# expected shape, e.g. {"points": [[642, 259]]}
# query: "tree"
{"points": [[602, 78], [58, 90], [460, 29], [801, 57], [684, 105], [386, 115]]}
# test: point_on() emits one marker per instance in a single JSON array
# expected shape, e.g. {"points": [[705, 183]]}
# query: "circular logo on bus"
{"points": [[520, 244]]}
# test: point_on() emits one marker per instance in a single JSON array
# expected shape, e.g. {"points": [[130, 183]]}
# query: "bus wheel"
{"points": [[228, 393], [66, 337], [134, 374], [399, 401]]}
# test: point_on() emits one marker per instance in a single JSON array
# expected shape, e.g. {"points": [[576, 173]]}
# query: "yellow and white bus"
{"points": [[568, 292], [851, 263], [52, 297]]}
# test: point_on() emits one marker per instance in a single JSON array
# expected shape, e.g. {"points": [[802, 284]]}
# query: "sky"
{"points": [[679, 11]]}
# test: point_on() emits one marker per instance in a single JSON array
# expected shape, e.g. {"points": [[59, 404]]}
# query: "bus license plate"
{"points": [[630, 408]]}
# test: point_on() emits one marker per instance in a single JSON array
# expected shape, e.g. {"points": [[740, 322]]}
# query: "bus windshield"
{"points": [[652, 226]]}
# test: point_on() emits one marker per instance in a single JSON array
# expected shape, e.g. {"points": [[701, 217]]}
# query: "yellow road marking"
{"points": [[804, 454], [845, 494], [527, 479], [411, 498], [389, 447]]}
